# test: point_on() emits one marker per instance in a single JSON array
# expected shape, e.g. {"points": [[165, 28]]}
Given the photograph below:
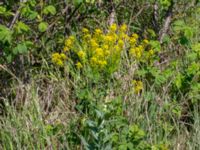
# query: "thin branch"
{"points": [[155, 17], [14, 19], [166, 24]]}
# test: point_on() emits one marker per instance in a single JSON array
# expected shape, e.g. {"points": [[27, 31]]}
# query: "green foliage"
{"points": [[5, 35], [49, 10], [85, 74], [43, 26]]}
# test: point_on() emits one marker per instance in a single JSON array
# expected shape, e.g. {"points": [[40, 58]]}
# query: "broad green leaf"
{"points": [[21, 27], [77, 2], [188, 32], [50, 9], [178, 25], [21, 48], [4, 12], [9, 58], [43, 26], [28, 13], [5, 34]]}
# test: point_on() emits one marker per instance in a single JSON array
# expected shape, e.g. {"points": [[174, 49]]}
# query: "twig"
{"points": [[155, 17], [166, 25], [14, 19]]}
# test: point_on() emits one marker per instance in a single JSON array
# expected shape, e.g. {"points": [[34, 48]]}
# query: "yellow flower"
{"points": [[81, 54], [99, 52], [106, 52], [134, 35], [151, 52], [93, 61], [93, 43], [117, 49], [65, 49], [55, 57], [60, 63], [105, 47], [68, 43], [58, 59], [85, 30], [133, 41], [108, 38], [123, 28], [86, 37], [63, 56], [98, 31], [136, 52], [121, 43], [113, 27], [102, 64], [79, 65], [138, 86], [72, 38], [146, 42], [140, 48], [124, 36]]}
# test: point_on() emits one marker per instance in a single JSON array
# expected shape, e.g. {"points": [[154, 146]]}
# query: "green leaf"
{"points": [[5, 34], [188, 32], [178, 80], [20, 49], [28, 13], [50, 9], [9, 58], [4, 12], [77, 2], [155, 45], [21, 27], [178, 25], [43, 26]]}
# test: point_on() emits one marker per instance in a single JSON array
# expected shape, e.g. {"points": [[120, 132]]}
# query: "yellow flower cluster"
{"points": [[137, 50], [102, 50], [69, 43], [138, 86], [59, 59]]}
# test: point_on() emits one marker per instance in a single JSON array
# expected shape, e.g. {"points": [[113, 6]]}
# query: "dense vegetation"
{"points": [[104, 74]]}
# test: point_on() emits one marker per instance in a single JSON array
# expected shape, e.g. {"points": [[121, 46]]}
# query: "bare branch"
{"points": [[166, 24], [14, 19]]}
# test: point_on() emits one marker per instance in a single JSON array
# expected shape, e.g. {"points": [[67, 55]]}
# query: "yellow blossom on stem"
{"points": [[108, 38], [134, 35], [98, 31], [93, 43], [106, 52], [99, 52], [60, 63], [133, 41], [102, 64], [65, 49], [151, 52], [137, 86], [63, 56], [93, 61], [113, 27], [123, 28], [85, 30], [146, 42], [121, 43], [81, 54], [79, 65]]}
